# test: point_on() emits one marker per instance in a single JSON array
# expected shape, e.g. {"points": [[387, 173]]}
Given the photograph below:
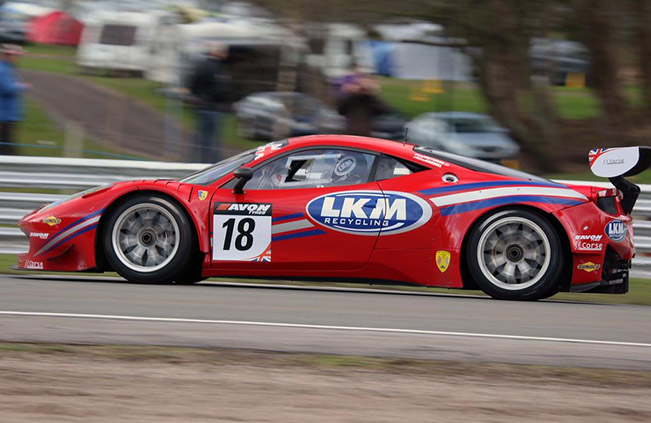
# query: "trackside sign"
{"points": [[369, 212]]}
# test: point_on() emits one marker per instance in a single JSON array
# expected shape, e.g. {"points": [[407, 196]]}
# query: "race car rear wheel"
{"points": [[148, 239], [516, 255]]}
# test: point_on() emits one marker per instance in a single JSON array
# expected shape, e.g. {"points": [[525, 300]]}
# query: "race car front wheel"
{"points": [[148, 239], [515, 255]]}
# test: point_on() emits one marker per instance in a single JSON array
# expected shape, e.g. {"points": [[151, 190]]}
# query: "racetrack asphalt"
{"points": [[328, 321]]}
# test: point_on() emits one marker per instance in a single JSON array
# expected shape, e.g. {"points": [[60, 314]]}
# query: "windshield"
{"points": [[212, 173], [478, 165]]}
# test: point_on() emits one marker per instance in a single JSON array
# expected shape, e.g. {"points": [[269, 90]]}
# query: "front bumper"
{"points": [[62, 244]]}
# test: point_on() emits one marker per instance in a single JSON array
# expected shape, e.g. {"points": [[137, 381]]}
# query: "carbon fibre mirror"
{"points": [[243, 175]]}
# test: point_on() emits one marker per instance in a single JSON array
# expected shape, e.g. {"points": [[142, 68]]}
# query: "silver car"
{"points": [[277, 115], [467, 134]]}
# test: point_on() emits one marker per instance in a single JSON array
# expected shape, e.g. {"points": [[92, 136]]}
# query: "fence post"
{"points": [[74, 139]]}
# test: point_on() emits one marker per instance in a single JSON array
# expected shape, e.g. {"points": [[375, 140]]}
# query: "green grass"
{"points": [[50, 50], [639, 293], [41, 136], [38, 128], [573, 103], [43, 64], [148, 93], [142, 90], [458, 97]]}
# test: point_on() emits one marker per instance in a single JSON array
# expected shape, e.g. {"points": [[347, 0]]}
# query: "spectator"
{"points": [[210, 86], [358, 102], [10, 97]]}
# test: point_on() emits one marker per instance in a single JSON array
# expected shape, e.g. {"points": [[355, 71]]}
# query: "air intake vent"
{"points": [[607, 204]]}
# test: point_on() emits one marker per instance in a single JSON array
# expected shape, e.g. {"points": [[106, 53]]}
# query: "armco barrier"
{"points": [[36, 173]]}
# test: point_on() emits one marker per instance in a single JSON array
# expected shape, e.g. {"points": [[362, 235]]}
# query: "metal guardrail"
{"points": [[34, 173]]}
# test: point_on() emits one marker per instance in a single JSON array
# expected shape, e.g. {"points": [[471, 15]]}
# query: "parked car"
{"points": [[557, 59], [353, 208], [277, 115], [468, 134], [13, 26]]}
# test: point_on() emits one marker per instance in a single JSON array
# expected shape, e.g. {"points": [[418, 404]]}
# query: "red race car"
{"points": [[353, 209]]}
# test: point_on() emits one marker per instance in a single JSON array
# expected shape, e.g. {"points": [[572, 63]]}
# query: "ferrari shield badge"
{"points": [[442, 260], [202, 195]]}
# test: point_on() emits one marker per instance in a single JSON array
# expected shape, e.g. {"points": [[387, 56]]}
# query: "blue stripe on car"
{"points": [[492, 184], [287, 217], [298, 235], [83, 219], [500, 201], [45, 248], [76, 234]]}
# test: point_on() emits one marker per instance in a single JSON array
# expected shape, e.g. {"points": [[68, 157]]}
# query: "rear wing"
{"points": [[617, 163]]}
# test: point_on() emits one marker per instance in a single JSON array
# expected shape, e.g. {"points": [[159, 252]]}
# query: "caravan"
{"points": [[258, 50], [121, 40]]}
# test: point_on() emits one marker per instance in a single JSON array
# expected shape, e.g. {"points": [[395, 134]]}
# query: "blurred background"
{"points": [[532, 84]]}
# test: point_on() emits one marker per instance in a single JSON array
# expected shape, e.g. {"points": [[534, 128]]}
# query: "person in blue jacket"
{"points": [[11, 89]]}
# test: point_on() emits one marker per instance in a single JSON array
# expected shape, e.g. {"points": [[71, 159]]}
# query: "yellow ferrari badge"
{"points": [[443, 260], [202, 195], [52, 220]]}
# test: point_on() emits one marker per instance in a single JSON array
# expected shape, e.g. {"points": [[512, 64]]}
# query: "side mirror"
{"points": [[243, 174]]}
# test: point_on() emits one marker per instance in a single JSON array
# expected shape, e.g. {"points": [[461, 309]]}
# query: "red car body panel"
{"points": [[63, 237]]}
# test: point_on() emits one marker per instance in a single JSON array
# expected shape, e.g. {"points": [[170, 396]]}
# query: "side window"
{"points": [[389, 167], [314, 169]]}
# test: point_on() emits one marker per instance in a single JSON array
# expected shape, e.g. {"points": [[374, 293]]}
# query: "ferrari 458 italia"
{"points": [[345, 208]]}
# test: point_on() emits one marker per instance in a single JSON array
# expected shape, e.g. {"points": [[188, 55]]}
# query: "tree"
{"points": [[640, 17], [499, 34], [597, 27]]}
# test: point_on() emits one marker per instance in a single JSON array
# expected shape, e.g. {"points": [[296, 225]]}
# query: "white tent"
{"points": [[420, 50], [335, 47], [421, 61]]}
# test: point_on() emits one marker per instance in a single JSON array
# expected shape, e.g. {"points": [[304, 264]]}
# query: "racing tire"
{"points": [[193, 272], [148, 239], [516, 255]]}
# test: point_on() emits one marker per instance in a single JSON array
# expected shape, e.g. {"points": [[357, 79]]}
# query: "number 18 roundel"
{"points": [[241, 231]]}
